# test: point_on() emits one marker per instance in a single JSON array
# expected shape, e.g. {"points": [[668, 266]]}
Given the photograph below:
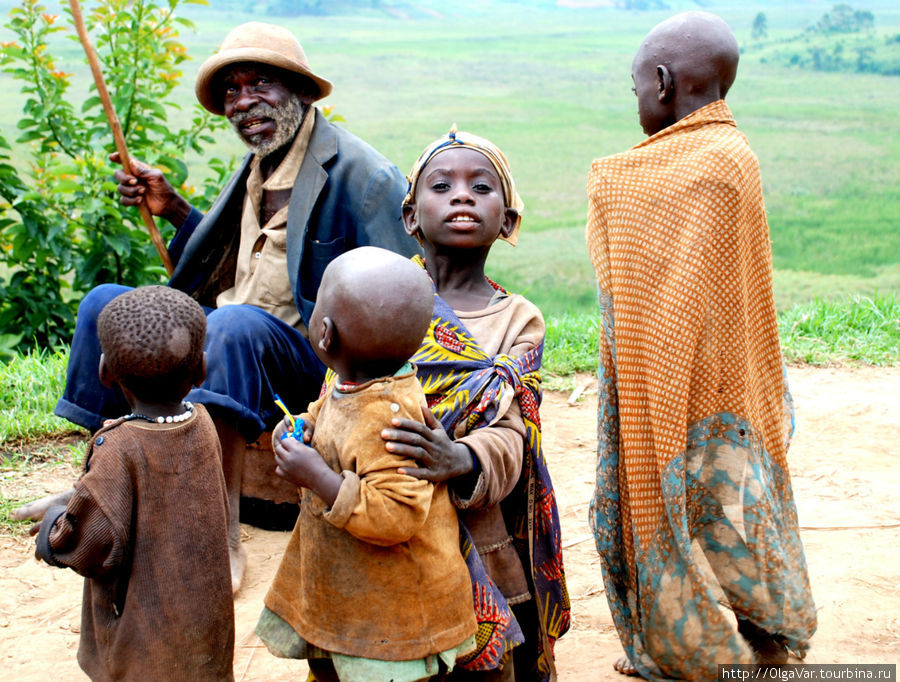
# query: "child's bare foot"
{"points": [[238, 558], [624, 666], [767, 648]]}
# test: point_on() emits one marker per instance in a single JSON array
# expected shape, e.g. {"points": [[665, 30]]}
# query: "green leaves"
{"points": [[62, 229]]}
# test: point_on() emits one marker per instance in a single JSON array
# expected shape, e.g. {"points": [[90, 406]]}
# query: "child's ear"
{"points": [[411, 222], [328, 337], [510, 217], [665, 84], [200, 374], [107, 378]]}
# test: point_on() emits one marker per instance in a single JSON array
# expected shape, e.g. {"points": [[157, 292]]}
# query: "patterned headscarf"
{"points": [[456, 138]]}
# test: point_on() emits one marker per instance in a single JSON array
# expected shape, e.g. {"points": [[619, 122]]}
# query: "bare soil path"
{"points": [[845, 467]]}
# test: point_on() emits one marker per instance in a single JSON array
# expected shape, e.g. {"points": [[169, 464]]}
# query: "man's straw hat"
{"points": [[255, 42]]}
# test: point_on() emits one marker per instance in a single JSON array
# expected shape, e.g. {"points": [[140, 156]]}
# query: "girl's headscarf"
{"points": [[498, 160]]}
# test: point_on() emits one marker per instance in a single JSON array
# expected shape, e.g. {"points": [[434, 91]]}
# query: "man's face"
{"points": [[261, 108]]}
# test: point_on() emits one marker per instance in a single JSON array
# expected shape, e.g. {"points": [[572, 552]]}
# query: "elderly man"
{"points": [[307, 192]]}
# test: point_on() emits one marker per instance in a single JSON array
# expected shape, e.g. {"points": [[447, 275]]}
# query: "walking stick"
{"points": [[119, 138]]}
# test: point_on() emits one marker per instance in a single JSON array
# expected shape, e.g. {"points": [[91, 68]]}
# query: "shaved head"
{"points": [[692, 59], [380, 304]]}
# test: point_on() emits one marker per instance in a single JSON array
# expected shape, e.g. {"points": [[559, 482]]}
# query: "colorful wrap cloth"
{"points": [[463, 385], [693, 505]]}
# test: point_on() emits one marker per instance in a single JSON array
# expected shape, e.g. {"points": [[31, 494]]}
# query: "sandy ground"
{"points": [[845, 474]]}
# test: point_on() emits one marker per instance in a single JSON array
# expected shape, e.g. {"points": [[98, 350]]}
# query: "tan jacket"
{"points": [[379, 574]]}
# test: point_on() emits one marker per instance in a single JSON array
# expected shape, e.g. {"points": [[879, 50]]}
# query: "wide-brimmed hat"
{"points": [[255, 42]]}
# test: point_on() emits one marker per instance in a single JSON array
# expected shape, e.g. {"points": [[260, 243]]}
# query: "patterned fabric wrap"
{"points": [[693, 512], [498, 631], [465, 386]]}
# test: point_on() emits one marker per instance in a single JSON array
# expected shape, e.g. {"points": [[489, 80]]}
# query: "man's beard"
{"points": [[286, 117]]}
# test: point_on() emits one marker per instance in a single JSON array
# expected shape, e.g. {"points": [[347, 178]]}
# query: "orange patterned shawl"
{"points": [[690, 358]]}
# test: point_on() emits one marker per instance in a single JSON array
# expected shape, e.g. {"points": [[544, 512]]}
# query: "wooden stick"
{"points": [[118, 136]]}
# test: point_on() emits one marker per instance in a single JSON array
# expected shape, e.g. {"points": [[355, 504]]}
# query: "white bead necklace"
{"points": [[168, 419]]}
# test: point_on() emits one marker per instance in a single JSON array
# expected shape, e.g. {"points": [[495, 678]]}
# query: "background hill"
{"points": [[550, 83]]}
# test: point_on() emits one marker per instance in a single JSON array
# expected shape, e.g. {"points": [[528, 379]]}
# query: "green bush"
{"points": [[62, 228]]}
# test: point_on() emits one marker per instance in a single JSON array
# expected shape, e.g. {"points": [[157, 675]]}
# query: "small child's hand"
{"points": [[283, 427], [285, 430], [299, 464]]}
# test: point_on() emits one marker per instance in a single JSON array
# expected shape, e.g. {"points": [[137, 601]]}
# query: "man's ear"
{"points": [[329, 336], [107, 378], [665, 84], [510, 217]]}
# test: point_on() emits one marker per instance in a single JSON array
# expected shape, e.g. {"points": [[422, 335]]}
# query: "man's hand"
{"points": [[149, 185], [441, 458], [299, 464]]}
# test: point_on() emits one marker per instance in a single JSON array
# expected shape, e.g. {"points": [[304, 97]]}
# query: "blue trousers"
{"points": [[250, 356]]}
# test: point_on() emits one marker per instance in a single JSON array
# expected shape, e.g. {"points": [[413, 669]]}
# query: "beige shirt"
{"points": [[511, 326], [261, 277]]}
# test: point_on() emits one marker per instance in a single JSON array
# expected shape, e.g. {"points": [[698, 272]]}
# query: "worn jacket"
{"points": [[379, 574], [346, 195]]}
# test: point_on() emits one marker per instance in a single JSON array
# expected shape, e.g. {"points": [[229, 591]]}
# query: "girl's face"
{"points": [[459, 202]]}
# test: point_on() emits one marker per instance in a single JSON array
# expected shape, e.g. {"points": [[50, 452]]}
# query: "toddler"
{"points": [[372, 585]]}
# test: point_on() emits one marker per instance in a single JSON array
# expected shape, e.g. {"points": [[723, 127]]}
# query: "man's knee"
{"points": [[97, 298], [235, 324]]}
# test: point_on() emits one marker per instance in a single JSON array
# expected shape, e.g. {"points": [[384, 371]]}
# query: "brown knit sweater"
{"points": [[147, 527]]}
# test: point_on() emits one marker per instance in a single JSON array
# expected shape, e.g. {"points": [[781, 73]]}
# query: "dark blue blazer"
{"points": [[346, 195]]}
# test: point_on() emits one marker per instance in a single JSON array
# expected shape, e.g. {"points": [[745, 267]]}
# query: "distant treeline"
{"points": [[844, 39], [406, 8]]}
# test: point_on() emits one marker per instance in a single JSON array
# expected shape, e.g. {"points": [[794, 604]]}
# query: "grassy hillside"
{"points": [[552, 87]]}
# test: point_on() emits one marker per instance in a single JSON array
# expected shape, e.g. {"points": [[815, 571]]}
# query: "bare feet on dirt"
{"points": [[625, 666], [237, 555]]}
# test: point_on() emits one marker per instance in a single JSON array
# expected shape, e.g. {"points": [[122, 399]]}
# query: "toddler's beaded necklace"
{"points": [[168, 419]]}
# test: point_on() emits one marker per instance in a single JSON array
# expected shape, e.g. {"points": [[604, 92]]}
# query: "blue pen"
{"points": [[296, 424]]}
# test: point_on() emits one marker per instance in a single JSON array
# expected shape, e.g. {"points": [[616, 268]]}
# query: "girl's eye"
{"points": [[440, 186], [482, 187]]}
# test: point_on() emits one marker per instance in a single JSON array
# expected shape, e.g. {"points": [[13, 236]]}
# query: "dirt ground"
{"points": [[845, 475]]}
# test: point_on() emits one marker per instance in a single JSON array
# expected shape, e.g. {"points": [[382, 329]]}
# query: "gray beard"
{"points": [[287, 119]]}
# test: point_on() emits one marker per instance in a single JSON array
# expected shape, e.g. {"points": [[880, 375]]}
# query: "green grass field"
{"points": [[552, 88]]}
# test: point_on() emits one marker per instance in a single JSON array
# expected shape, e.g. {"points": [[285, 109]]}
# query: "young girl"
{"points": [[479, 365], [147, 521]]}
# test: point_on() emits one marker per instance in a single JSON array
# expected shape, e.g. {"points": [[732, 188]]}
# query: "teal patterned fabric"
{"points": [[728, 542]]}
